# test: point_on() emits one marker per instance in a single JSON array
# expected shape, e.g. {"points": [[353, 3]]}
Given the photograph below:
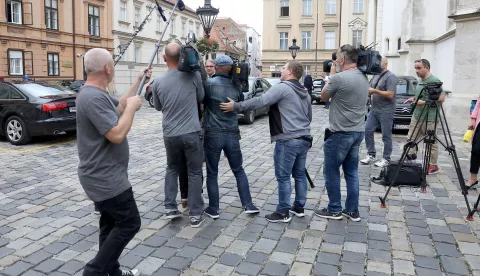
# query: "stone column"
{"points": [[466, 78]]}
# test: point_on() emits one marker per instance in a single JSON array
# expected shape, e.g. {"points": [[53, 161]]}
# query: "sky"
{"points": [[242, 11]]}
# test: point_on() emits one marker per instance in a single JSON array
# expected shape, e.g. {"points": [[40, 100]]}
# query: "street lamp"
{"points": [[207, 15], [294, 48]]}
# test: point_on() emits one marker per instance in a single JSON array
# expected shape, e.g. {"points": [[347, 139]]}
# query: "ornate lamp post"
{"points": [[294, 48], [207, 15]]}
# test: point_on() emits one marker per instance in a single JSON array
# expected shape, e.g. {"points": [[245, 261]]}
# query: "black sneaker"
{"points": [[277, 217], [196, 222], [133, 272], [251, 209], [298, 211], [211, 213], [173, 214], [325, 213], [353, 216]]}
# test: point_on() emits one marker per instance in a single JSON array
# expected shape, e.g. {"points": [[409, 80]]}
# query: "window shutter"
{"points": [[28, 60], [27, 14]]}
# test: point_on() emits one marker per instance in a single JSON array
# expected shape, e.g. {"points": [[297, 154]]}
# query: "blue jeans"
{"points": [[385, 121], [215, 142], [341, 149], [289, 158]]}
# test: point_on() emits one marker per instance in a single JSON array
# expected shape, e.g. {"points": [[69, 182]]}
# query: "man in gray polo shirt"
{"points": [[382, 90], [177, 95], [102, 127]]}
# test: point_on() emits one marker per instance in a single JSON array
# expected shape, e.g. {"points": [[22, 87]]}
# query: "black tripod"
{"points": [[429, 139]]}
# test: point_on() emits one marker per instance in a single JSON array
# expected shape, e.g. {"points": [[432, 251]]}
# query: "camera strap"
{"points": [[379, 78]]}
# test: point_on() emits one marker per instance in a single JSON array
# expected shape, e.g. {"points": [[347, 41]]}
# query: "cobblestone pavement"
{"points": [[47, 226]]}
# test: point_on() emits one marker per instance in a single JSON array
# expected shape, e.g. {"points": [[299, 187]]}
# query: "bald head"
{"points": [[96, 59], [172, 52], [384, 64]]}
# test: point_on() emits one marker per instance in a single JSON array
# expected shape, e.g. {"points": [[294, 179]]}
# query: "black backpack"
{"points": [[410, 174]]}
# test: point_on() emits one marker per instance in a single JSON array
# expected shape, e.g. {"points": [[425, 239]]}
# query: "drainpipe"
{"points": [[340, 26], [74, 43]]}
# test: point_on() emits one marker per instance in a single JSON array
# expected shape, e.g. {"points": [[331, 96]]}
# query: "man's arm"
{"points": [[330, 88], [199, 85], [133, 90], [387, 94], [118, 133], [156, 101], [272, 96]]}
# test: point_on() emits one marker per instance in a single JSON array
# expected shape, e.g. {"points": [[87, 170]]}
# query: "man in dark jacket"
{"points": [[289, 118], [308, 83], [222, 133]]}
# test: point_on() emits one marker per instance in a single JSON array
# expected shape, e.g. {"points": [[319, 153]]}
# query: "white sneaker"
{"points": [[368, 160], [381, 163], [133, 272]]}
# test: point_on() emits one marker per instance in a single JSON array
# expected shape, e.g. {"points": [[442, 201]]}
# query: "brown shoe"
{"points": [[184, 203]]}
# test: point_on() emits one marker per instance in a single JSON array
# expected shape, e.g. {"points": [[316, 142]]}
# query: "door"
{"points": [[4, 95]]}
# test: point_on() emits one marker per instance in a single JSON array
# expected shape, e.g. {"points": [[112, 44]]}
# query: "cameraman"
{"points": [[177, 95], [222, 133], [382, 91], [289, 118], [349, 92], [422, 67]]}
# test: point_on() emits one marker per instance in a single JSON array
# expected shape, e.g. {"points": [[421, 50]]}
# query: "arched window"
{"points": [[387, 42], [399, 46]]}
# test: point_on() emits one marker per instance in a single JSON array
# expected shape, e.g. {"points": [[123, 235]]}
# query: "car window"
{"points": [[14, 95], [4, 89], [265, 85], [273, 81], [404, 87], [42, 90], [318, 82]]}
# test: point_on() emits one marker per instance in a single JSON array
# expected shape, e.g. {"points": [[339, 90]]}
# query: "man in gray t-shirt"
{"points": [[349, 92], [177, 95], [382, 90], [102, 127]]}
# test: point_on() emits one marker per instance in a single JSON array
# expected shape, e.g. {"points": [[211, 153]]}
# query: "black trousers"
{"points": [[119, 222], [475, 157]]}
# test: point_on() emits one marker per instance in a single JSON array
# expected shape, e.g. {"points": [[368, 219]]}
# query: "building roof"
{"points": [[221, 35]]}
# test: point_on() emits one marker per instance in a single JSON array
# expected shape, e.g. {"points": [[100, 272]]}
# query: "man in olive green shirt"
{"points": [[422, 67]]}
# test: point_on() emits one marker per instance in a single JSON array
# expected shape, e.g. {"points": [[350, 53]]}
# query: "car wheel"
{"points": [[250, 118], [318, 101], [16, 131], [150, 101]]}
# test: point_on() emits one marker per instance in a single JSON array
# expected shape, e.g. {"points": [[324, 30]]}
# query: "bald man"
{"points": [[177, 95], [382, 91], [102, 127]]}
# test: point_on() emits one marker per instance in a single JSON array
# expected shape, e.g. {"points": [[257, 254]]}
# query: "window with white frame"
{"points": [[199, 35], [330, 40], [137, 53], [284, 8], [331, 7], [51, 14], [15, 62], [172, 26], [306, 40], [93, 20], [283, 41], [307, 7], [190, 29], [53, 68], [159, 56], [357, 38], [14, 11], [125, 54], [358, 6], [184, 29], [123, 11], [137, 16]]}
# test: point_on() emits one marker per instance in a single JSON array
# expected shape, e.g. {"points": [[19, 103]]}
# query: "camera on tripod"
{"points": [[434, 90], [369, 61]]}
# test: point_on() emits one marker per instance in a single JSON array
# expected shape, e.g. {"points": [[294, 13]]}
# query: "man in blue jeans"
{"points": [[289, 118], [382, 91], [348, 91], [222, 133]]}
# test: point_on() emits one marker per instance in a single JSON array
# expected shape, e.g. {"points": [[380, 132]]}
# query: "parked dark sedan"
{"points": [[35, 108], [256, 88], [317, 90], [148, 94]]}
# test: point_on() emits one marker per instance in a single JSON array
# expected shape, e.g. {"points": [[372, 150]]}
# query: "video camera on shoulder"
{"points": [[189, 58], [369, 61], [240, 72]]}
